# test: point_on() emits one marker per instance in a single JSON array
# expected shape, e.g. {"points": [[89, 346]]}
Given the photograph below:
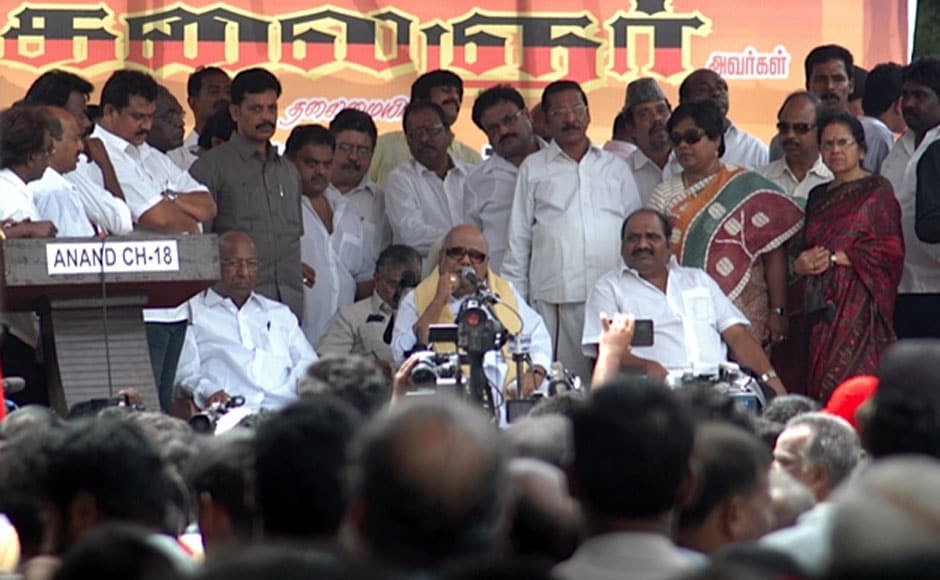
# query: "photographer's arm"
{"points": [[446, 285]]}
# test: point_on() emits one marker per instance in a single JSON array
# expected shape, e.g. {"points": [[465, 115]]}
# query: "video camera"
{"points": [[206, 421], [732, 381]]}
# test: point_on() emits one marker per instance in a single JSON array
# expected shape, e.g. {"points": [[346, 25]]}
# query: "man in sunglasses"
{"points": [[437, 300], [801, 168]]}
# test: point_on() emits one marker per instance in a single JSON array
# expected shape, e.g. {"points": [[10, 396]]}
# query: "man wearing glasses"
{"points": [[426, 194], [501, 114], [570, 200], [437, 300], [801, 168]]}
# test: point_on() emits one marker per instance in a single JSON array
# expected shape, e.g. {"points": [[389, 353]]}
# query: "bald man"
{"points": [[240, 343], [438, 299]]}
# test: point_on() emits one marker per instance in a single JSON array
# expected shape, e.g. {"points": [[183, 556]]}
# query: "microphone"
{"points": [[479, 284]]}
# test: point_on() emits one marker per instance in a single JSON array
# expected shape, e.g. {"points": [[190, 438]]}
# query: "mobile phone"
{"points": [[642, 333]]}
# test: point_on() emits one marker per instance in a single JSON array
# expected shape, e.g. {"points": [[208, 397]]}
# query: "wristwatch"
{"points": [[170, 195], [768, 376]]}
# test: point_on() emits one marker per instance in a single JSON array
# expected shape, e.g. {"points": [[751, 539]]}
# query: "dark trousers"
{"points": [[19, 360], [165, 340], [917, 316]]}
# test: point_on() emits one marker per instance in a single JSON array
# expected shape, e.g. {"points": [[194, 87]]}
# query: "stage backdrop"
{"points": [[365, 54]]}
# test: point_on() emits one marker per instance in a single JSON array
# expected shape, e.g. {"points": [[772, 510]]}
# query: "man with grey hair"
{"points": [[646, 110], [818, 449], [353, 378]]}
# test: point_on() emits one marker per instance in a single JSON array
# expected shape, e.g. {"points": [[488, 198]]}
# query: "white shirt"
{"points": [[921, 273], [622, 149], [878, 142], [185, 155], [421, 207], [339, 259], [648, 175], [58, 201], [564, 230], [744, 149], [367, 201], [779, 172], [490, 189], [624, 556], [687, 320], [16, 199], [257, 352], [106, 211]]}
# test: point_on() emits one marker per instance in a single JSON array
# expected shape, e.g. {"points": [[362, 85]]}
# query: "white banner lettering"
{"points": [[112, 257]]}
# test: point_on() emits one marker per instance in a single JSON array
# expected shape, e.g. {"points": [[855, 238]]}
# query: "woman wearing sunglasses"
{"points": [[853, 257], [731, 222]]}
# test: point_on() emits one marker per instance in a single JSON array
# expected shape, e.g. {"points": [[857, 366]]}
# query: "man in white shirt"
{"points": [[501, 114], [917, 308], [882, 100], [438, 300], [356, 135], [570, 200], [425, 196], [207, 91], [161, 196], [741, 149], [333, 243], [801, 168], [647, 111], [241, 343], [620, 143], [693, 320]]}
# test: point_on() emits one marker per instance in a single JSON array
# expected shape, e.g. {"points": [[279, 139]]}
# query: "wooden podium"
{"points": [[90, 294]]}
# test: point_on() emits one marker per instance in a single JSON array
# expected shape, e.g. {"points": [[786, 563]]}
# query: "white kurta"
{"points": [[779, 172], [58, 201], [367, 201], [744, 150]]}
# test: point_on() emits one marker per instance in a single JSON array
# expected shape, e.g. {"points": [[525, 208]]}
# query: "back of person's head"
{"points": [[430, 476], [882, 88], [53, 88], [834, 445], [729, 463], [300, 457], [111, 465], [890, 510], [22, 135], [785, 407], [124, 84], [28, 419], [632, 434], [352, 378], [116, 552], [218, 129], [768, 431], [565, 404], [544, 437], [421, 88], [546, 520], [269, 562], [905, 415], [253, 81], [499, 569], [706, 403]]}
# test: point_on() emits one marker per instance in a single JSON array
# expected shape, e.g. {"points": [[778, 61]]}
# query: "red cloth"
{"points": [[863, 219], [849, 396]]}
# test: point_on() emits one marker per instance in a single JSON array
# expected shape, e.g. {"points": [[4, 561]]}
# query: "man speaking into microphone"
{"points": [[463, 264]]}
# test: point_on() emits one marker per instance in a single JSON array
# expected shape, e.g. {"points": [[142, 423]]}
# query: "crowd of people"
{"points": [[346, 257]]}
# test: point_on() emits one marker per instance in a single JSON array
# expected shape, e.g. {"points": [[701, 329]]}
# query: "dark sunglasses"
{"points": [[457, 253], [798, 128], [690, 137]]}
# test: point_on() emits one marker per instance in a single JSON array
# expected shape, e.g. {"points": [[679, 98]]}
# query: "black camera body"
{"points": [[431, 368], [478, 330], [206, 421]]}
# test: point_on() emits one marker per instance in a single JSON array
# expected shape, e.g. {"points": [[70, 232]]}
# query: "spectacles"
{"points": [[798, 128], [457, 253], [348, 148], [690, 137], [838, 143], [507, 121], [430, 131], [577, 111]]}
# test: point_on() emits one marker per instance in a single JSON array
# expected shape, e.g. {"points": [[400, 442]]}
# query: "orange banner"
{"points": [[332, 56]]}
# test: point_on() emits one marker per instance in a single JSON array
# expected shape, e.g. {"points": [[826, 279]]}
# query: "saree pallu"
{"points": [[851, 310], [726, 228]]}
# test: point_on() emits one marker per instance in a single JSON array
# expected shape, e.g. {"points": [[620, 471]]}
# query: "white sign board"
{"points": [[111, 257]]}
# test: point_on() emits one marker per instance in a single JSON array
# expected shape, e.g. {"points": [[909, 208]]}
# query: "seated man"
{"points": [[691, 315], [365, 327], [239, 342], [438, 300]]}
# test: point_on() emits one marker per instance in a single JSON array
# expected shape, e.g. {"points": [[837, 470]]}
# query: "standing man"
{"points": [[646, 112], [257, 190], [444, 89], [741, 149], [207, 91], [167, 131], [501, 114], [570, 200], [426, 194], [882, 100], [907, 167]]}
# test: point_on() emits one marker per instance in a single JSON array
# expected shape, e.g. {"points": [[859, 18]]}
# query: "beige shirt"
{"points": [[359, 328]]}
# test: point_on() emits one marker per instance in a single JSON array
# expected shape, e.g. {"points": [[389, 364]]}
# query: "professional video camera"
{"points": [[206, 421], [730, 380], [432, 368]]}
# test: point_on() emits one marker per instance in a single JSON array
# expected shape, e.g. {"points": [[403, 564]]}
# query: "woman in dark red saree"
{"points": [[853, 256]]}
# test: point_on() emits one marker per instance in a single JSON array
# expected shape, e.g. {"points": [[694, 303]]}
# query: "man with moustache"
{"points": [[647, 111], [501, 114], [741, 149], [166, 133], [425, 196], [207, 91], [694, 322], [257, 190], [444, 89], [911, 167], [569, 201]]}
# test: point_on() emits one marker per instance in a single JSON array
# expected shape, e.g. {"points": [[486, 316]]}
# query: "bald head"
{"points": [[66, 136], [238, 259]]}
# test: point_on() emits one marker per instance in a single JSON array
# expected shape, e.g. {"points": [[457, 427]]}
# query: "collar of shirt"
{"points": [[457, 166], [780, 168], [51, 180], [119, 143], [247, 150], [213, 299], [380, 306], [638, 160], [366, 185], [625, 269], [555, 151]]}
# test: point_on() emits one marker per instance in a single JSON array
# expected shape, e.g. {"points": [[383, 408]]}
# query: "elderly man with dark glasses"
{"points": [[438, 299]]}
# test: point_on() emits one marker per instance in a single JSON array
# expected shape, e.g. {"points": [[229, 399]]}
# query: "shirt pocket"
{"points": [[551, 202]]}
